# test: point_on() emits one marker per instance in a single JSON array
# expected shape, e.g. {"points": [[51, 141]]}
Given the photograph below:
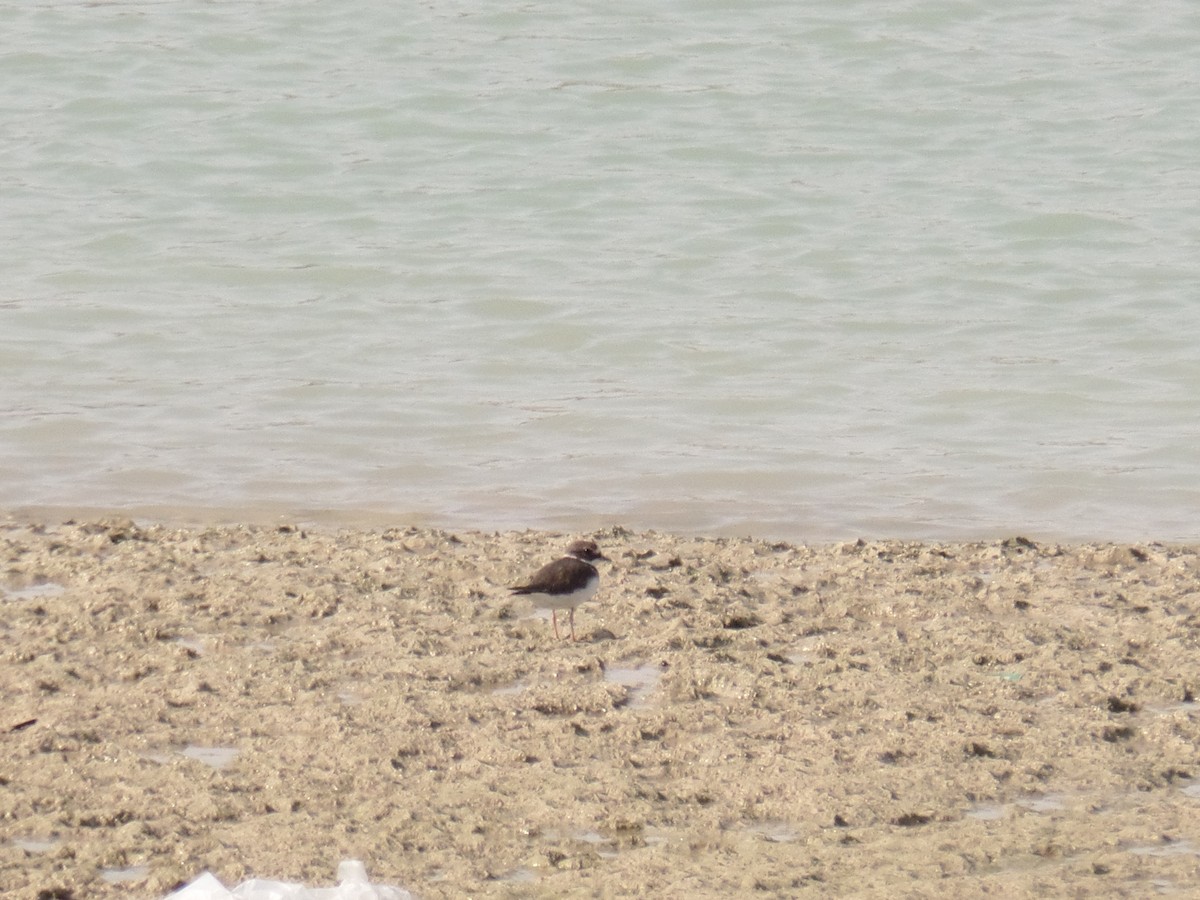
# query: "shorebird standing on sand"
{"points": [[566, 582]]}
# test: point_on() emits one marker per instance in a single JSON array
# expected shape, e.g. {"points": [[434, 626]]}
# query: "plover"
{"points": [[566, 582]]}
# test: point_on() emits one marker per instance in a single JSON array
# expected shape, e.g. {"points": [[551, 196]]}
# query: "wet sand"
{"points": [[872, 719]]}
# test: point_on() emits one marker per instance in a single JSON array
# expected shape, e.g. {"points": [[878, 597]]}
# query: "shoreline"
{"points": [[854, 718], [367, 519]]}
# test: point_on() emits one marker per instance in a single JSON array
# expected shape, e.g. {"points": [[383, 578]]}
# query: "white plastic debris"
{"points": [[352, 878]]}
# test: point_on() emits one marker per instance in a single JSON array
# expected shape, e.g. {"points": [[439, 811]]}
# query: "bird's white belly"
{"points": [[565, 601]]}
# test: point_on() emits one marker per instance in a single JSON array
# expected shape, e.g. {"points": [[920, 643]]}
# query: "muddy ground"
{"points": [[873, 719]]}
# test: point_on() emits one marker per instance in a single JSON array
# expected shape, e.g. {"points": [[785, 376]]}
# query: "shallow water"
{"points": [[121, 876], [641, 681], [32, 592], [906, 270], [217, 757]]}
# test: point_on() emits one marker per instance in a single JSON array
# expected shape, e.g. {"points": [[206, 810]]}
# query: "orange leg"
{"points": [[554, 619], [573, 638]]}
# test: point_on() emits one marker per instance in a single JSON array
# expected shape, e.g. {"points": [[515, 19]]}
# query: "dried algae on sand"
{"points": [[867, 719]]}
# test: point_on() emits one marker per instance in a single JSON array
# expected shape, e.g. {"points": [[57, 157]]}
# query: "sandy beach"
{"points": [[739, 717]]}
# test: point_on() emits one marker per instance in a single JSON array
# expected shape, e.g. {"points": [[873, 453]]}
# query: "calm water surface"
{"points": [[894, 269]]}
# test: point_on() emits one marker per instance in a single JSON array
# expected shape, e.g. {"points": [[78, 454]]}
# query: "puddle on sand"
{"points": [[604, 847], [33, 592], [35, 845], [803, 653], [1048, 803], [774, 832], [990, 812], [519, 875], [1167, 848], [987, 812], [640, 681], [193, 644], [119, 876], [217, 757], [509, 690], [1183, 706]]}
